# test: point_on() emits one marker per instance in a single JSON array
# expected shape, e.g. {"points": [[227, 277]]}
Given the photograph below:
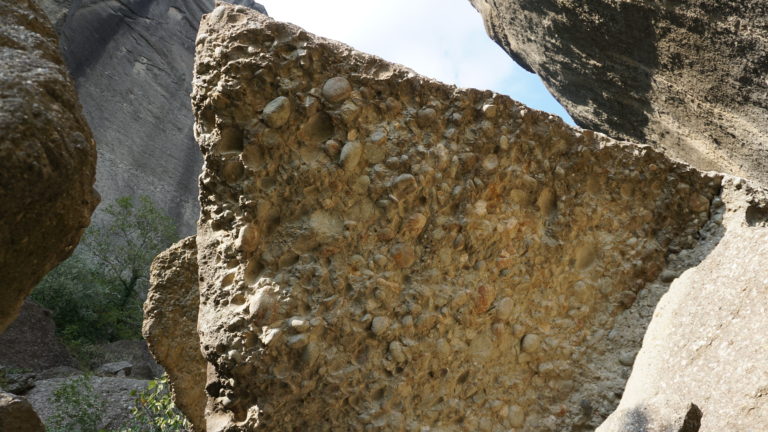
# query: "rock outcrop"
{"points": [[17, 415], [47, 156], [30, 342], [132, 62], [704, 346], [114, 398], [170, 326], [377, 250], [688, 76]]}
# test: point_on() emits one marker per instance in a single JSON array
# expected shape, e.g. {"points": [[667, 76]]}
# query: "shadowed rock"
{"points": [[47, 156], [688, 76]]}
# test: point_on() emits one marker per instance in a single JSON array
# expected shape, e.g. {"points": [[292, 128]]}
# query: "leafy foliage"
{"points": [[76, 407], [155, 411], [96, 294]]}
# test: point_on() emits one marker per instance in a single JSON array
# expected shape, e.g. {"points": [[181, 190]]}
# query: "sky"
{"points": [[442, 39]]}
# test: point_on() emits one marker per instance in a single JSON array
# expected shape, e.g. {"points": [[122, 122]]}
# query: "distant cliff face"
{"points": [[47, 156], [686, 75], [132, 64]]}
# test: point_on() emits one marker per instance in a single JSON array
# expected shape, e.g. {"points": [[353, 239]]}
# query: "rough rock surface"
{"points": [[686, 75], [47, 156], [115, 392], [704, 345], [371, 242], [17, 415], [30, 342], [170, 326], [132, 62], [135, 352]]}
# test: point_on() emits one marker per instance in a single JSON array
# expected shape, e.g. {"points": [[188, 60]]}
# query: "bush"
{"points": [[76, 407], [96, 295], [155, 411]]}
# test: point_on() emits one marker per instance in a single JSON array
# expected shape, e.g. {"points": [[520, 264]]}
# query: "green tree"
{"points": [[96, 294]]}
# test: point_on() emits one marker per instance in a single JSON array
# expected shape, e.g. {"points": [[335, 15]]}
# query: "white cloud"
{"points": [[442, 39]]}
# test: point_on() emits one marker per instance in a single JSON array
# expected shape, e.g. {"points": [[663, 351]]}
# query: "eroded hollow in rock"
{"points": [[424, 256]]}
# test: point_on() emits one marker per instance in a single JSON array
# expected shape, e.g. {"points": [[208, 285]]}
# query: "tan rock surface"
{"points": [[47, 156], [394, 253], [170, 326]]}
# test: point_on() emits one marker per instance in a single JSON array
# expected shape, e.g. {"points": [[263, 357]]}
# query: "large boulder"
{"points": [[132, 62], [685, 75], [113, 397], [47, 156], [17, 415], [170, 326], [377, 250], [30, 342]]}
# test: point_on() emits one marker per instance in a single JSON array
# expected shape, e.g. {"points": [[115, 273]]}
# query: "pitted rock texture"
{"points": [[170, 326], [132, 62], [380, 251], [47, 156], [685, 75], [704, 345]]}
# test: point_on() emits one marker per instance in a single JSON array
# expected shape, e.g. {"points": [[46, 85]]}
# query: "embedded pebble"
{"points": [[336, 89], [277, 112], [426, 117], [531, 343], [379, 325], [350, 155]]}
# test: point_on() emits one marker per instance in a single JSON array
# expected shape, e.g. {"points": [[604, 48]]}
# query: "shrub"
{"points": [[96, 294], [155, 411], [76, 407]]}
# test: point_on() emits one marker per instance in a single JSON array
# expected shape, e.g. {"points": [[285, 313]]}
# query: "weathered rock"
{"points": [[17, 415], [118, 369], [704, 345], [688, 76], [170, 326], [135, 352], [47, 156], [30, 342], [114, 393], [398, 289], [132, 62]]}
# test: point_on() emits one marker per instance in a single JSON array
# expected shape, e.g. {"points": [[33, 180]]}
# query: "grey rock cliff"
{"points": [[688, 76], [132, 63], [47, 156], [379, 250]]}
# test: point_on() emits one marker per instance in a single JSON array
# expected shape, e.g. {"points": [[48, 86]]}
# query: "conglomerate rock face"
{"points": [[685, 75], [132, 63], [47, 156], [380, 251]]}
